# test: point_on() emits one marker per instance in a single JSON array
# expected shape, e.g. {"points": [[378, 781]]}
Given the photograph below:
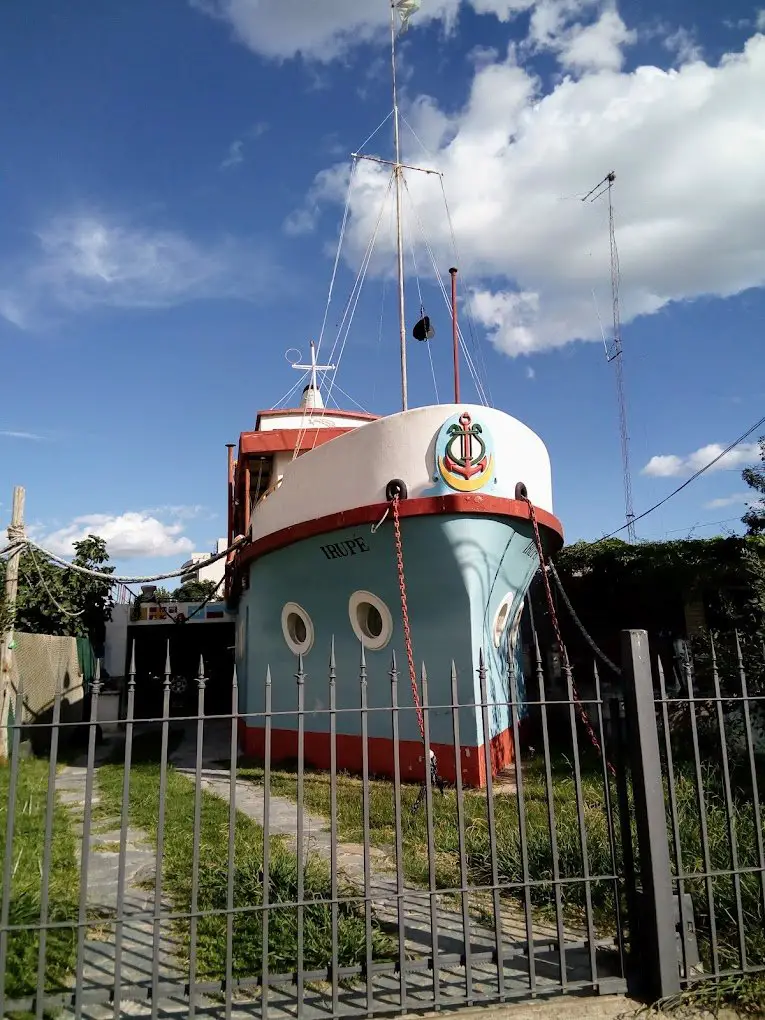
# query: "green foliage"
{"points": [[615, 585], [754, 477], [28, 844], [61, 602], [194, 591]]}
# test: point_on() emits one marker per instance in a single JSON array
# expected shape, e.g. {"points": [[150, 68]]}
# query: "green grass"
{"points": [[723, 888], [248, 885], [27, 857], [540, 857], [745, 995], [478, 850]]}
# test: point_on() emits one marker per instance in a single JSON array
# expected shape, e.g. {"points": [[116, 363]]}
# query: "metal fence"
{"points": [[159, 870], [712, 748]]}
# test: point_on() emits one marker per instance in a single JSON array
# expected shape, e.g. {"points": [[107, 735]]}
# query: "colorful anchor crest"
{"points": [[465, 464]]}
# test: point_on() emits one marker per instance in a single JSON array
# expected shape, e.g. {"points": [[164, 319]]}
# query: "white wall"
{"points": [[354, 469], [318, 419]]}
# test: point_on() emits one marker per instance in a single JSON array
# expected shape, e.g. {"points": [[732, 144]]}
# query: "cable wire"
{"points": [[687, 482]]}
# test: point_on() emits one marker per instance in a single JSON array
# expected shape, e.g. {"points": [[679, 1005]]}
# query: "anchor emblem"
{"points": [[465, 464]]}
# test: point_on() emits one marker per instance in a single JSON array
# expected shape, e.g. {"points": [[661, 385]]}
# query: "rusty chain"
{"points": [[559, 639], [405, 615]]}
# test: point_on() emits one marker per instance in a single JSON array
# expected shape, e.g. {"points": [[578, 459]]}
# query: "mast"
{"points": [[398, 172]]}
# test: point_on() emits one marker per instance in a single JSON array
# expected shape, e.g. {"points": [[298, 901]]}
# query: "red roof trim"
{"points": [[282, 440], [466, 503]]}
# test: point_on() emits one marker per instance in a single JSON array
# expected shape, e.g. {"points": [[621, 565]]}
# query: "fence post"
{"points": [[652, 934]]}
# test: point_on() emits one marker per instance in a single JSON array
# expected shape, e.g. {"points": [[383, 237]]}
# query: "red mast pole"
{"points": [[455, 337], [230, 448]]}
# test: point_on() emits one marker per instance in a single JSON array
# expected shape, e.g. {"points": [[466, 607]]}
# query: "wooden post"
{"points": [[6, 640]]}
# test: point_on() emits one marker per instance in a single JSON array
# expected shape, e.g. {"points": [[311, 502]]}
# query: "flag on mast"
{"points": [[406, 8]]}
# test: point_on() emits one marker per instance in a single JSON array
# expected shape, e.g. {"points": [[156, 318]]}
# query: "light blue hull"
{"points": [[459, 570]]}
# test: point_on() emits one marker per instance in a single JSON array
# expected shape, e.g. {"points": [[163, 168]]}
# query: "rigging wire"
{"points": [[476, 345], [343, 225], [291, 390], [361, 277], [440, 281], [350, 304], [382, 314], [422, 312], [352, 399], [379, 126]]}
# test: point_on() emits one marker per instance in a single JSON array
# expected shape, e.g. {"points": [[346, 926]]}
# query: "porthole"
{"points": [[371, 620], [501, 617], [297, 628]]}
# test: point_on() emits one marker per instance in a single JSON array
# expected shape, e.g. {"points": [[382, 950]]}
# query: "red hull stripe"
{"points": [[284, 748], [457, 503]]}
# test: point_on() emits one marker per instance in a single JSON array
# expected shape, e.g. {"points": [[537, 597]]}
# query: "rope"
{"points": [[601, 654], [15, 533], [57, 604], [559, 639], [118, 579]]}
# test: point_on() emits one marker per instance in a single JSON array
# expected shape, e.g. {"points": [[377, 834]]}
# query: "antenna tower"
{"points": [[614, 349]]}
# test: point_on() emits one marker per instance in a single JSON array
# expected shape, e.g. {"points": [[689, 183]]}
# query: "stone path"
{"points": [[138, 947], [383, 893], [137, 953]]}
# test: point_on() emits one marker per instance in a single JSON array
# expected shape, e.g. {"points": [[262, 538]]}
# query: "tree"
{"points": [[195, 591], [52, 600], [754, 518]]}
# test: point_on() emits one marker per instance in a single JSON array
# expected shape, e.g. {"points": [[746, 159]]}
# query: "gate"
{"points": [[164, 871]]}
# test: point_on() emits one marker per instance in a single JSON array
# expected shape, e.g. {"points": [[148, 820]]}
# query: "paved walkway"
{"points": [[137, 931], [450, 945]]}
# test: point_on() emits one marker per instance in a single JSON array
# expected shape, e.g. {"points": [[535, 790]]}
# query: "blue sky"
{"points": [[172, 179]]}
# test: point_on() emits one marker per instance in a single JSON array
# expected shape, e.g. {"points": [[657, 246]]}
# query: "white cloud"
{"points": [[672, 466], [580, 47], [234, 156], [530, 373], [127, 536], [326, 30], [515, 158], [682, 42], [734, 500], [12, 434], [92, 260], [759, 23], [181, 511]]}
